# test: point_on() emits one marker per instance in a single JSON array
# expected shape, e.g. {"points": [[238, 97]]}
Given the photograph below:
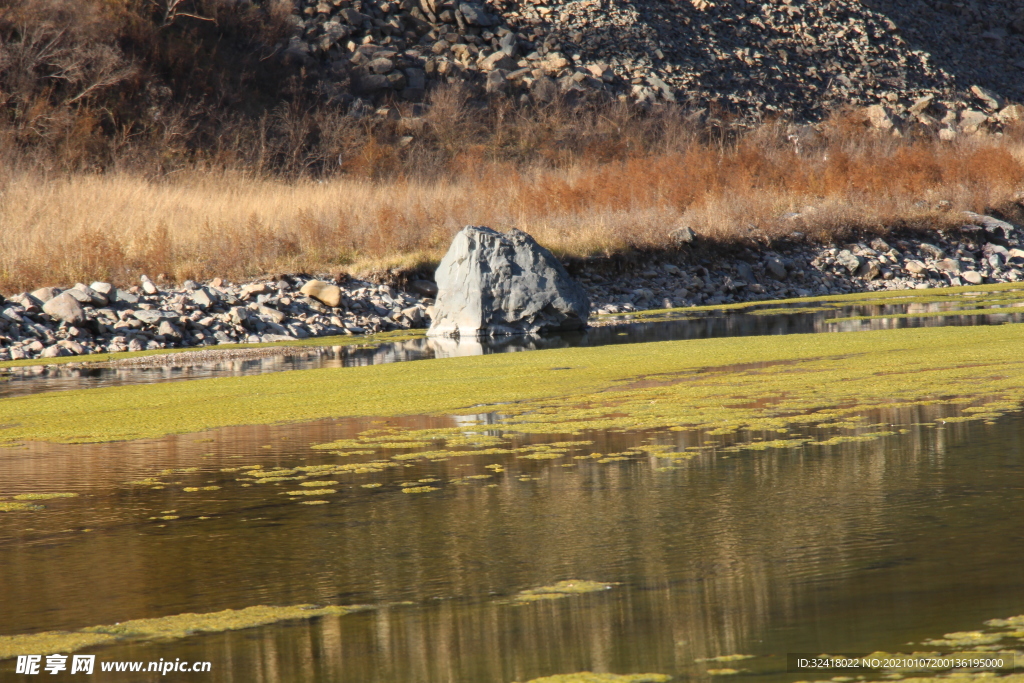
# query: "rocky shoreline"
{"points": [[100, 319]]}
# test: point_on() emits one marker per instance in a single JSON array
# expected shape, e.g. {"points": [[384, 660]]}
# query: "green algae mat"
{"points": [[767, 383], [164, 628]]}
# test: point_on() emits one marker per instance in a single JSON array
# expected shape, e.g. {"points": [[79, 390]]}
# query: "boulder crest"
{"points": [[493, 284]]}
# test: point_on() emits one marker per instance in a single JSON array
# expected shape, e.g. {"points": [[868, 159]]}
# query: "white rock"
{"points": [[492, 284]]}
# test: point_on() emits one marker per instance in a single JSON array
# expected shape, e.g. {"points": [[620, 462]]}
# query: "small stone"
{"points": [[931, 251], [250, 291], [948, 265], [921, 104], [323, 292], [238, 315], [352, 16], [989, 99], [914, 267], [971, 120], [498, 60], [53, 352], [992, 225], [973, 277], [869, 270], [847, 259], [148, 317], [104, 288], [413, 313], [544, 89], [381, 65], [1014, 113], [73, 347], [275, 315], [879, 117], [66, 308], [97, 298], [745, 272], [475, 14], [79, 296], [776, 268], [44, 294], [682, 235], [168, 329], [125, 297], [374, 82], [880, 245], [203, 297], [497, 81], [147, 285]]}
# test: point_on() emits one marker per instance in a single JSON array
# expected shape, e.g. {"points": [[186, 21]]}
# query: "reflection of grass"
{"points": [[162, 628], [562, 589], [589, 677], [933, 314], [365, 340], [757, 383], [989, 295], [794, 310]]}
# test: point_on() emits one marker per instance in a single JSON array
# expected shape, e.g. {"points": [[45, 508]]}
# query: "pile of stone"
{"points": [[985, 112], [984, 250], [100, 318], [782, 57]]}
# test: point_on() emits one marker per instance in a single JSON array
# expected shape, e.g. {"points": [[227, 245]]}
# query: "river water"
{"points": [[853, 547], [848, 548], [771, 319]]}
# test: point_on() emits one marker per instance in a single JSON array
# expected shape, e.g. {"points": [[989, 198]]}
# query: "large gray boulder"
{"points": [[490, 284]]}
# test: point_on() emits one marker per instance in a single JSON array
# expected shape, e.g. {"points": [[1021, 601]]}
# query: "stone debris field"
{"points": [[950, 66], [99, 318]]}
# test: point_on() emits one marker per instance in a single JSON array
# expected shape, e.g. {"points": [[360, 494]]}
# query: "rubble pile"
{"points": [[790, 58]]}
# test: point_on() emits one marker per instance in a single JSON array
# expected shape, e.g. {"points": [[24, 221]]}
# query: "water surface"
{"points": [[757, 320], [852, 547]]}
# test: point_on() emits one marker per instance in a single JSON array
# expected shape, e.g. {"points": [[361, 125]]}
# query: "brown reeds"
{"points": [[230, 222]]}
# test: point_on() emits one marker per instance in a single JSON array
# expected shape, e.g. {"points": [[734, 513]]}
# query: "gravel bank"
{"points": [[99, 318]]}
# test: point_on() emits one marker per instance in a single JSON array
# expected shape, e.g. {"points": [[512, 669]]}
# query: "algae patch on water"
{"points": [[8, 506], [44, 496], [725, 658], [728, 384], [562, 589], [164, 628], [589, 677]]}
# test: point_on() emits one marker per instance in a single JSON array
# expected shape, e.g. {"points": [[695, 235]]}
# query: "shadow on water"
{"points": [[625, 329]]}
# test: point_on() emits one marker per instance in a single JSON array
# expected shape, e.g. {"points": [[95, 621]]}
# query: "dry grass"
{"points": [[135, 142], [205, 223]]}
